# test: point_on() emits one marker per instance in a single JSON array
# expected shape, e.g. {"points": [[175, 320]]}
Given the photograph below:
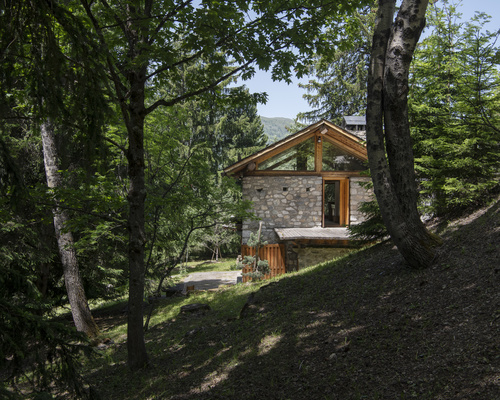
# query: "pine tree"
{"points": [[340, 75], [453, 103]]}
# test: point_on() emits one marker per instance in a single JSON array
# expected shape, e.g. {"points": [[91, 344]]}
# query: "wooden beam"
{"points": [[284, 147], [348, 201], [324, 174], [323, 206], [318, 153], [346, 145]]}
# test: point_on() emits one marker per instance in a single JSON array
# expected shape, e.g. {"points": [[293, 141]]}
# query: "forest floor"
{"points": [[363, 327]]}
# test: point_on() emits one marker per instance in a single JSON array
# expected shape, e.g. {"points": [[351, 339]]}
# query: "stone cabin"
{"points": [[306, 188]]}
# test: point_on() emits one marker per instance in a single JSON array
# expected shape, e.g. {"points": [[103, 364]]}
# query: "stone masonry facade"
{"points": [[293, 202], [357, 195], [282, 202]]}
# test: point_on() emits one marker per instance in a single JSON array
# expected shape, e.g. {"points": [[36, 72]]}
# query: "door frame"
{"points": [[343, 200]]}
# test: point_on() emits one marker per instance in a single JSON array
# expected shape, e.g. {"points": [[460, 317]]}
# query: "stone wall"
{"points": [[358, 195], [282, 202], [293, 201]]}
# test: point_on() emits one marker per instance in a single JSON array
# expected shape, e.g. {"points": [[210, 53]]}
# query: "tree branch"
{"points": [[81, 211], [166, 18], [173, 265], [169, 103], [119, 87], [114, 143]]}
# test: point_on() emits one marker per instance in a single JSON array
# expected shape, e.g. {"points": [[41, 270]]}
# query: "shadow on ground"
{"points": [[367, 327]]}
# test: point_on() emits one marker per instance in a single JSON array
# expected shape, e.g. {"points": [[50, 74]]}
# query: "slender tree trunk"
{"points": [[136, 347], [388, 132], [74, 286]]}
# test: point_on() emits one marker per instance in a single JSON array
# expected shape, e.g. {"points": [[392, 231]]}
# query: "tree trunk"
{"points": [[80, 310], [136, 347], [389, 145]]}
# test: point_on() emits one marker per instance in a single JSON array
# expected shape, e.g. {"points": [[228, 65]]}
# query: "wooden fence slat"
{"points": [[273, 253]]}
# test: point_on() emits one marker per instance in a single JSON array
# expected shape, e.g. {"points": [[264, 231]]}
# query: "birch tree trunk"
{"points": [[80, 310], [389, 144]]}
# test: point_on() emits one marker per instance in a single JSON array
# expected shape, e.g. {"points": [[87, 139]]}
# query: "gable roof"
{"points": [[344, 139]]}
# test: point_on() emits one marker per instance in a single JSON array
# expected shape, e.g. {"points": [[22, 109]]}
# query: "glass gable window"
{"points": [[296, 158], [335, 159]]}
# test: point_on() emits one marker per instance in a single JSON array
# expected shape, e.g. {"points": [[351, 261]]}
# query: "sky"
{"points": [[286, 100]]}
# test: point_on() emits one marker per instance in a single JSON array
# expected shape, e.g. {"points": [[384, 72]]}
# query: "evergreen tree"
{"points": [[240, 127], [260, 268], [226, 119], [40, 82], [339, 84], [453, 101]]}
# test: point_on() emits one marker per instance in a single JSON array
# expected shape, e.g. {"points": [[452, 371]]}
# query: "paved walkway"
{"points": [[211, 280]]}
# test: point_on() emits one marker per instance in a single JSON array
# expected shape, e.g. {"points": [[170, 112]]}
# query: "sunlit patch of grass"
{"points": [[224, 264], [101, 303]]}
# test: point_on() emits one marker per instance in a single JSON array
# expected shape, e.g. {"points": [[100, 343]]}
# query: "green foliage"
{"points": [[225, 120], [37, 354], [96, 71], [372, 227], [255, 240], [339, 87], [218, 238], [188, 204], [454, 99], [238, 128], [45, 353], [453, 102], [98, 211], [50, 73]]}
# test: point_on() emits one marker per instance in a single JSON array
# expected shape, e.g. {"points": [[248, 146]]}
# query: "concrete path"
{"points": [[211, 280]]}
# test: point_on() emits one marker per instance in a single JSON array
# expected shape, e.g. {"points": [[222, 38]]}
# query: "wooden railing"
{"points": [[273, 253]]}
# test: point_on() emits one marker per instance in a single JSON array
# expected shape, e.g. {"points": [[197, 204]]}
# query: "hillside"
{"points": [[364, 327], [275, 128]]}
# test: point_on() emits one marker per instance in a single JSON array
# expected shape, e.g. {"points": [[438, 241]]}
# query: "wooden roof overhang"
{"points": [[323, 129]]}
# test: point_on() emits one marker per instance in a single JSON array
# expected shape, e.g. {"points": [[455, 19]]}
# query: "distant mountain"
{"points": [[275, 128]]}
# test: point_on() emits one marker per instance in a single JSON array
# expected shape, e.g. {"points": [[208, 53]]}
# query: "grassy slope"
{"points": [[365, 327]]}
